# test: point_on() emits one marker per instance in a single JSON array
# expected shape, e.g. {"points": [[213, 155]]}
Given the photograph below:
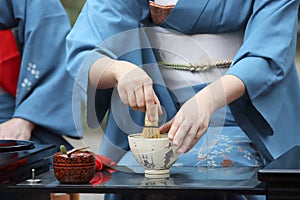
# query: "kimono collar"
{"points": [[181, 18]]}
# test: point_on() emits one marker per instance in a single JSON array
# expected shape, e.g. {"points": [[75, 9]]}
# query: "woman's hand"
{"points": [[16, 129], [134, 86], [192, 120], [135, 89]]}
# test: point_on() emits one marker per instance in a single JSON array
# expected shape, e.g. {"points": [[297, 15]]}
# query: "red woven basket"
{"points": [[159, 12]]}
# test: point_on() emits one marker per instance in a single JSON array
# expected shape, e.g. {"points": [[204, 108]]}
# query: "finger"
{"points": [[157, 102], [134, 107], [132, 100], [166, 127], [198, 136], [189, 138], [173, 130], [19, 136], [23, 137], [11, 137], [149, 100], [183, 136], [140, 100], [123, 96]]}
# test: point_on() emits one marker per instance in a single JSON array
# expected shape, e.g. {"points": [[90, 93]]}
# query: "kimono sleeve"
{"points": [[7, 9], [91, 39], [265, 63]]}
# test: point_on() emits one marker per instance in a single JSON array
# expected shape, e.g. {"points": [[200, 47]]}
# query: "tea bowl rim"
{"points": [[138, 136]]}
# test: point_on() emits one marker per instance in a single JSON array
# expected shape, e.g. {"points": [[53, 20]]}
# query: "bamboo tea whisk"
{"points": [[151, 129]]}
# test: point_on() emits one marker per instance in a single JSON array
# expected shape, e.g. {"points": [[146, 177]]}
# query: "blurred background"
{"points": [[73, 8]]}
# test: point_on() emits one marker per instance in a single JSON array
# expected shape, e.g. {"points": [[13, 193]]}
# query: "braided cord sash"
{"points": [[196, 68]]}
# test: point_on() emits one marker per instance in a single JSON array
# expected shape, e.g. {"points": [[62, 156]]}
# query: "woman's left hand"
{"points": [[190, 122]]}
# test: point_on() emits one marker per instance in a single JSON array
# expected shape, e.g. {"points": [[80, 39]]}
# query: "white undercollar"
{"points": [[166, 2]]}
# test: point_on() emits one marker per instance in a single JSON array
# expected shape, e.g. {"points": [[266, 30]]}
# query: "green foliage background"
{"points": [[73, 8]]}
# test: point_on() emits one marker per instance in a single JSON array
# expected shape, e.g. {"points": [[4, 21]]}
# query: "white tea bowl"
{"points": [[155, 155]]}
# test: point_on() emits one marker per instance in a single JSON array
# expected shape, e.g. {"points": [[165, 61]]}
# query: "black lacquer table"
{"points": [[282, 176], [279, 180], [182, 180]]}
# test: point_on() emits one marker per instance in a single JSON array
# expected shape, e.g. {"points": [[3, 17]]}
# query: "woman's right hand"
{"points": [[134, 85], [135, 88]]}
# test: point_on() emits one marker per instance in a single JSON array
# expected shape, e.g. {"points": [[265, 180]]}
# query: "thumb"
{"points": [[166, 127]]}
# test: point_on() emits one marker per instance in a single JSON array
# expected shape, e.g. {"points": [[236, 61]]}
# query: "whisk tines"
{"points": [[151, 129]]}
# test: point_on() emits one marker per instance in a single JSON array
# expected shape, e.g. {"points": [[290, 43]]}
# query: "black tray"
{"points": [[15, 145]]}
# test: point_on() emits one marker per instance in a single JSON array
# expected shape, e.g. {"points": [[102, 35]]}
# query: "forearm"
{"points": [[106, 72], [102, 73], [222, 92]]}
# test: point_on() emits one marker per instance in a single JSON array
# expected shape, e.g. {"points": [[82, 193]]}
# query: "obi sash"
{"points": [[187, 60]]}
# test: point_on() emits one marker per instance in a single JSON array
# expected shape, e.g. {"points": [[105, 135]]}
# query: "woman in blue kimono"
{"points": [[40, 110], [222, 73]]}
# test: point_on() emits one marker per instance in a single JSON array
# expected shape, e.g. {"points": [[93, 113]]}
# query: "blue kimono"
{"points": [[269, 111], [44, 91]]}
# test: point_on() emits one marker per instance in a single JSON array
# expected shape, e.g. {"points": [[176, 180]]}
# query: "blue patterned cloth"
{"points": [[230, 148]]}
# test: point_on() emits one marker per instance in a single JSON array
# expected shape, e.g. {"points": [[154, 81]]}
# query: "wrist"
{"points": [[102, 73], [121, 68], [205, 98], [222, 92]]}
